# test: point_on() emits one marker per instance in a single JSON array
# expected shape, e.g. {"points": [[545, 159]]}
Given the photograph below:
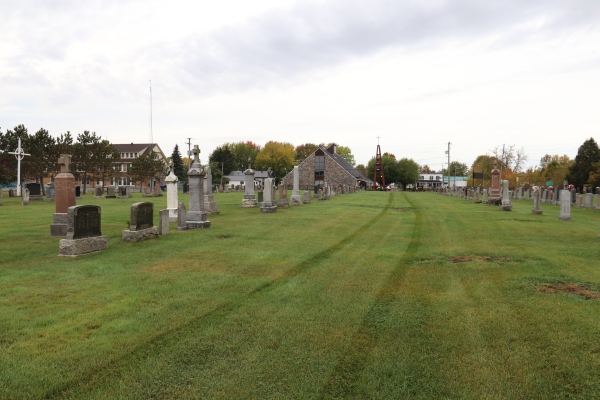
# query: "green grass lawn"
{"points": [[367, 295]]}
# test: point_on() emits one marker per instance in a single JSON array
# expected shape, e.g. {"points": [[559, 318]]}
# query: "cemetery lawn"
{"points": [[367, 295]]}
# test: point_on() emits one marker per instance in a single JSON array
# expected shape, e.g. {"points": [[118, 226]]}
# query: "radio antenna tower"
{"points": [[151, 138], [378, 168]]}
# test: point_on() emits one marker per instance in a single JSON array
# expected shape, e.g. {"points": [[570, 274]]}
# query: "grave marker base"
{"points": [[137, 236], [78, 247]]}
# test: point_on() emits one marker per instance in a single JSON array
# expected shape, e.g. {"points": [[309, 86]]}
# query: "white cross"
{"points": [[19, 154]]}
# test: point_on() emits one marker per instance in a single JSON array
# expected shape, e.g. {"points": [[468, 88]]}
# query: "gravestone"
{"points": [[35, 191], [84, 234], [65, 197], [181, 224], [573, 196], [506, 204], [196, 217], [78, 192], [11, 193], [110, 192], [147, 192], [98, 193], [186, 187], [141, 223], [172, 194], [588, 200], [485, 197], [249, 200], [50, 191], [268, 205], [1, 195], [282, 201], [163, 222], [260, 197], [25, 198], [296, 199], [565, 205], [320, 194], [210, 206], [157, 190], [536, 201], [578, 199], [306, 199]]}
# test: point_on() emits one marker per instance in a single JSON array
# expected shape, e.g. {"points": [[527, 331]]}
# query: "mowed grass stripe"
{"points": [[217, 315]]}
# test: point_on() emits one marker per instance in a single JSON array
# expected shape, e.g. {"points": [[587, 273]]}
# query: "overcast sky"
{"points": [[418, 74]]}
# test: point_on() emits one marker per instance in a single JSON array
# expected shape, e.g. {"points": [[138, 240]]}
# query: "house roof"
{"points": [[145, 148], [239, 175]]}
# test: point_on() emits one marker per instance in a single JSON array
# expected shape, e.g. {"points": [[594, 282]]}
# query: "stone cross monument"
{"points": [[64, 194], [19, 155], [172, 194], [536, 201]]}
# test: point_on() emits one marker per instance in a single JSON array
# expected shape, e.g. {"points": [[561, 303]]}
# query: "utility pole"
{"points": [[448, 169], [151, 138], [189, 143]]}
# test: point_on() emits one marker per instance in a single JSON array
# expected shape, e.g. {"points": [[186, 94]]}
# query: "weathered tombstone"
{"points": [[506, 204], [110, 192], [555, 194], [268, 206], [306, 199], [122, 191], [485, 197], [578, 199], [98, 192], [25, 198], [320, 195], [186, 187], [11, 193], [589, 200], [565, 205], [141, 223], [50, 191], [494, 198], [1, 195], [282, 202], [157, 190], [78, 192], [573, 196], [84, 234], [147, 192], [536, 201], [210, 206], [296, 199], [249, 200], [196, 217], [163, 222], [181, 224], [260, 197]]}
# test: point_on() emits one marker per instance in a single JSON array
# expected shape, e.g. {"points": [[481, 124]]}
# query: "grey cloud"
{"points": [[282, 46]]}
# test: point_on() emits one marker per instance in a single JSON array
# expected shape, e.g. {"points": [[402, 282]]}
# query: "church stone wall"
{"points": [[334, 174]]}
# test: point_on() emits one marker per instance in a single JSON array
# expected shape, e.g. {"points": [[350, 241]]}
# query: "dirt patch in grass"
{"points": [[570, 288], [225, 236], [463, 259], [401, 209]]}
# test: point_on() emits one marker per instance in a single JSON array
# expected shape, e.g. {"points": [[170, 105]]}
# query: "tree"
{"points": [[588, 154], [362, 169], [408, 171], [241, 151], [40, 145], [510, 157], [425, 169], [179, 169], [456, 169], [277, 155], [484, 163], [83, 160], [304, 150], [145, 166], [223, 157], [104, 154], [346, 154]]}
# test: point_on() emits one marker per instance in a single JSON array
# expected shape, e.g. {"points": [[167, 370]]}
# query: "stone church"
{"points": [[326, 166]]}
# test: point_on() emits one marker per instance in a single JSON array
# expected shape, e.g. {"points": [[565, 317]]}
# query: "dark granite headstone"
{"points": [[141, 216], [122, 191], [77, 191], [34, 189], [260, 196], [11, 193], [186, 188], [83, 222]]}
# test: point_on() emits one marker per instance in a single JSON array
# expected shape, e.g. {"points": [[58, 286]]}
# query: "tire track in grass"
{"points": [[152, 345], [342, 381]]}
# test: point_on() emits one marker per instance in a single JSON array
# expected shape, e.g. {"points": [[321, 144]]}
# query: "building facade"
{"points": [[129, 152]]}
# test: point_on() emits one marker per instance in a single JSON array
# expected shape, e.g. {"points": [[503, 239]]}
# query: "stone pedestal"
{"points": [[494, 198], [536, 201], [137, 236], [196, 216], [506, 204], [296, 199], [268, 206], [78, 247], [210, 206], [249, 200]]}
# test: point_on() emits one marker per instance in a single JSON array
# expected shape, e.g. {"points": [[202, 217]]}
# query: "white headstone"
{"points": [[565, 205]]}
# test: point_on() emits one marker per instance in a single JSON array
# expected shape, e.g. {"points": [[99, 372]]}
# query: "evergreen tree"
{"points": [[587, 155], [178, 168]]}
